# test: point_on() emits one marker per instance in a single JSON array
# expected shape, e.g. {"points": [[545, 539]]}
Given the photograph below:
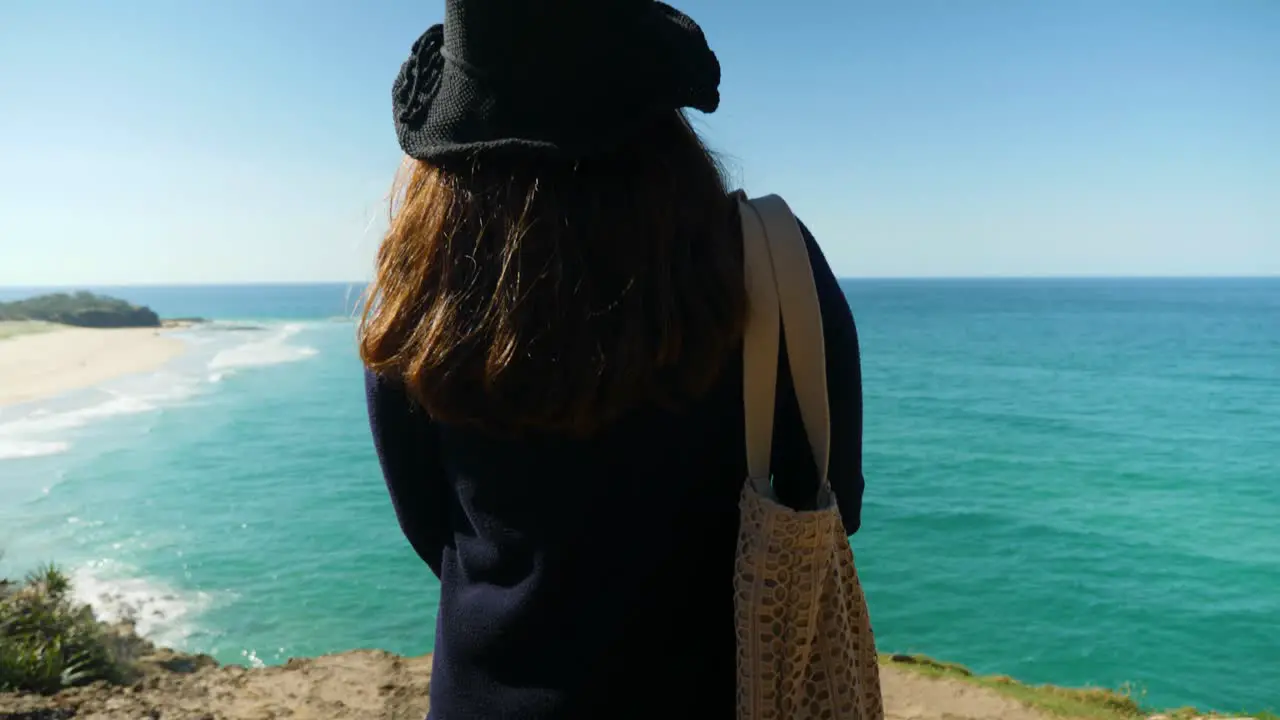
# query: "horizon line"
{"points": [[854, 278]]}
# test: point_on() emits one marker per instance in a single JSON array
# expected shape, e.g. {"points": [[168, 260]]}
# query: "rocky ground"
{"points": [[376, 685], [351, 685], [382, 686]]}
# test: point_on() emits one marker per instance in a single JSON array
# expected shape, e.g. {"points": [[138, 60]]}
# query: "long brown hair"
{"points": [[518, 294]]}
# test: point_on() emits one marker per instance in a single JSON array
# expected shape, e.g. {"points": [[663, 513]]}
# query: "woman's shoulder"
{"points": [[830, 295]]}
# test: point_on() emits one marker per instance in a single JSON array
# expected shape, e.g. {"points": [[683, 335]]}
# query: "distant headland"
{"points": [[80, 309], [53, 344]]}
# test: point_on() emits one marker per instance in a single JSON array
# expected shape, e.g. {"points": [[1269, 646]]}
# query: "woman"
{"points": [[553, 345]]}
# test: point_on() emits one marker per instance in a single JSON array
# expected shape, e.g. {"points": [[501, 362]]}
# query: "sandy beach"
{"points": [[40, 362]]}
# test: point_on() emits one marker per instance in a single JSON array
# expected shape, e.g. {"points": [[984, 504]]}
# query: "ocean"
{"points": [[1068, 481]]}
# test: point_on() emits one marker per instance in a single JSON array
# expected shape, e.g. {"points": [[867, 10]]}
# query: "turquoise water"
{"points": [[1067, 481]]}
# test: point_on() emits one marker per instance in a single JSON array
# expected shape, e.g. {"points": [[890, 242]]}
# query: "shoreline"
{"points": [[39, 361]]}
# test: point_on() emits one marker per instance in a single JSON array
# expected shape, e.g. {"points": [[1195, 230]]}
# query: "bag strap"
{"points": [[781, 292], [759, 346]]}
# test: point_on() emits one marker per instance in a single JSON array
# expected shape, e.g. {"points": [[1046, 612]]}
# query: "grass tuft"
{"points": [[49, 642]]}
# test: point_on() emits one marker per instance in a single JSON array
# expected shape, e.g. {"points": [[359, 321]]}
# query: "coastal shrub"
{"points": [[48, 641]]}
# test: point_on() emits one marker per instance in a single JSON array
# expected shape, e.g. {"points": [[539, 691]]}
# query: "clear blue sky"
{"points": [[176, 141]]}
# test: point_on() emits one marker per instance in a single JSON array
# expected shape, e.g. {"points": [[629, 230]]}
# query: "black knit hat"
{"points": [[561, 77]]}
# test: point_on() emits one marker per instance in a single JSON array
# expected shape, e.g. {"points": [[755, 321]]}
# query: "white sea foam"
{"points": [[17, 449], [29, 435], [46, 421], [214, 352], [159, 389], [274, 349], [160, 613], [42, 431]]}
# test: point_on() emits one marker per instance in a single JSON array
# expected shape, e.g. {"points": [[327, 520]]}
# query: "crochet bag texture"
{"points": [[805, 645]]}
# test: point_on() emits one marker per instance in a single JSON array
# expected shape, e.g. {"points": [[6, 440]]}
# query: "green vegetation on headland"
{"points": [[81, 309]]}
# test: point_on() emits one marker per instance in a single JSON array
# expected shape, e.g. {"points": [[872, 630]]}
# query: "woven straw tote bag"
{"points": [[805, 646]]}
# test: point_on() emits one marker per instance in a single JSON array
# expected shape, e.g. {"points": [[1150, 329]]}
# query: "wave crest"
{"points": [[272, 350]]}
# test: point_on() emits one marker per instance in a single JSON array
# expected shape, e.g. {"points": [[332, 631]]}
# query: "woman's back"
{"points": [[592, 577], [553, 343], [589, 578]]}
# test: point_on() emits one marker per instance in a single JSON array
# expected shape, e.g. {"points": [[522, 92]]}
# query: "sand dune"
{"points": [[40, 362]]}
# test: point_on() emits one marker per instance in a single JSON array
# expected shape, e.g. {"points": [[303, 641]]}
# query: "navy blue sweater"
{"points": [[594, 579]]}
